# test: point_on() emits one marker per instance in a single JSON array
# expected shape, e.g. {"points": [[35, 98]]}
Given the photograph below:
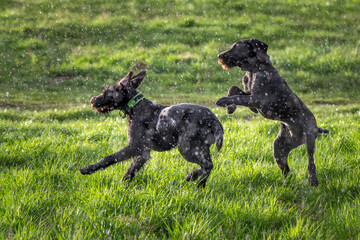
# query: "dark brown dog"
{"points": [[267, 93], [192, 128]]}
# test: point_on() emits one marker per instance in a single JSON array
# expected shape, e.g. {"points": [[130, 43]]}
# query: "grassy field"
{"points": [[44, 196], [55, 55]]}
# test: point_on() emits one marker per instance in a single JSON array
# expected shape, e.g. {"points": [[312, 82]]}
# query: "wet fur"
{"points": [[192, 128], [267, 93]]}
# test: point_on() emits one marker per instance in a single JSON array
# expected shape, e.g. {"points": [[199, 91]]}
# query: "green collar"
{"points": [[132, 103]]}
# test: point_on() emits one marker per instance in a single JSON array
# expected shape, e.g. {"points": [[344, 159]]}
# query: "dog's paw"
{"points": [[231, 109], [224, 102], [87, 170], [127, 178], [189, 178], [234, 90], [313, 181], [193, 175], [201, 184]]}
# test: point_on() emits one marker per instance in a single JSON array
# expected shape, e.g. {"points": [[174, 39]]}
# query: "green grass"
{"points": [[43, 195], [56, 55]]}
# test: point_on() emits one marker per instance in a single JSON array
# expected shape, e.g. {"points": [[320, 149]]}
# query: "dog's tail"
{"points": [[218, 133], [323, 130]]}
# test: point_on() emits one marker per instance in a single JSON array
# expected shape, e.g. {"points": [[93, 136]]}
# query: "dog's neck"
{"points": [[127, 108], [254, 65], [142, 108]]}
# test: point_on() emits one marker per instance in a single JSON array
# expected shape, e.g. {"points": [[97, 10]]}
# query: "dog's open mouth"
{"points": [[103, 109], [225, 65]]}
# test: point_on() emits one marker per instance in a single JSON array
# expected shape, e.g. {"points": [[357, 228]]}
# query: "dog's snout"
{"points": [[222, 55], [93, 99]]}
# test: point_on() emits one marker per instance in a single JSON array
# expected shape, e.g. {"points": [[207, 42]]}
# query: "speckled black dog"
{"points": [[192, 128], [267, 93]]}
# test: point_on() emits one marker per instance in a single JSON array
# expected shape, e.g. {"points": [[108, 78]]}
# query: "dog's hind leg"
{"points": [[136, 165], [283, 144], [194, 152], [310, 147], [206, 166]]}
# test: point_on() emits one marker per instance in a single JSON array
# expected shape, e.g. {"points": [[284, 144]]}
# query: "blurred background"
{"points": [[60, 53]]}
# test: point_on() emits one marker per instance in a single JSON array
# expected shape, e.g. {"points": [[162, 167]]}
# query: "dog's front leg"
{"points": [[242, 100], [124, 154], [234, 91]]}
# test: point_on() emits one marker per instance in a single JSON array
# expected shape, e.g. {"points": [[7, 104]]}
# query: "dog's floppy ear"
{"points": [[137, 79], [260, 48], [125, 81]]}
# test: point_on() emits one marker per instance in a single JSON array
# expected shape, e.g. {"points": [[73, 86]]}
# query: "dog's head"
{"points": [[243, 52], [117, 96]]}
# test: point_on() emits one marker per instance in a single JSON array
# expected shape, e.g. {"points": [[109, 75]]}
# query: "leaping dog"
{"points": [[267, 93]]}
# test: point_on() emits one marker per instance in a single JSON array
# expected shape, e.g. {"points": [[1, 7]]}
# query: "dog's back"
{"points": [[194, 120]]}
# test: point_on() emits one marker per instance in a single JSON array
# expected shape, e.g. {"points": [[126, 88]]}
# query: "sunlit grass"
{"points": [[44, 195]]}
